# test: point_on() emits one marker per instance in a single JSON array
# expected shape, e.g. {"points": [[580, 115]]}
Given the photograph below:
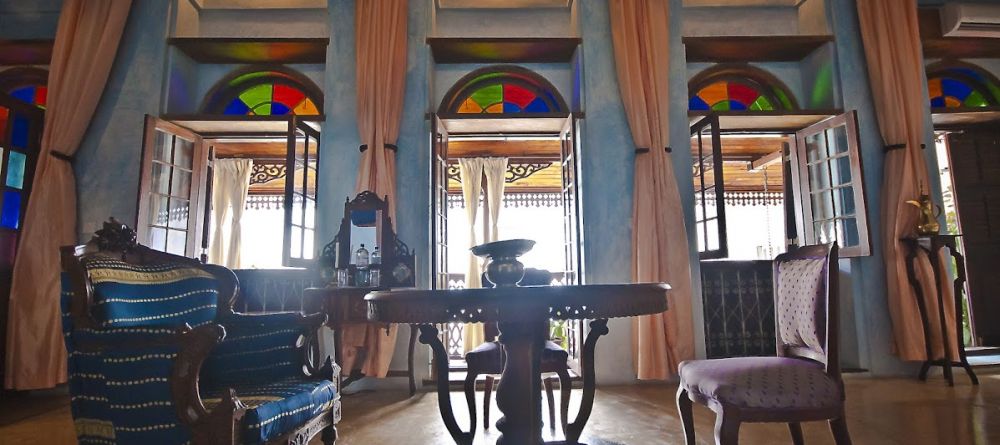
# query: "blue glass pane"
{"points": [[955, 88], [19, 134], [25, 94], [278, 109], [696, 104], [537, 106], [938, 102], [737, 106], [10, 214], [15, 170], [510, 108], [237, 107]]}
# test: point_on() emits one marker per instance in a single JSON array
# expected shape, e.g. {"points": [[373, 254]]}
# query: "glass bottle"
{"points": [[375, 271], [361, 257]]}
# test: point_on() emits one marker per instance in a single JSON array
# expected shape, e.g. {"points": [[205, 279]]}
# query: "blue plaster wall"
{"points": [[190, 82], [35, 19], [107, 165]]}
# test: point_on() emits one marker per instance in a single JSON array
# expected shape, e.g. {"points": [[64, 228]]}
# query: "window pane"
{"points": [[178, 214], [158, 238], [815, 147], [297, 207], [847, 230], [158, 211], [700, 230], [10, 215], [160, 179], [838, 138], [177, 242], [712, 226], [181, 184], [841, 168], [711, 210], [161, 148], [819, 176], [822, 206], [19, 134], [843, 201], [296, 247], [183, 153], [825, 232], [4, 117], [311, 213], [309, 235], [15, 169]]}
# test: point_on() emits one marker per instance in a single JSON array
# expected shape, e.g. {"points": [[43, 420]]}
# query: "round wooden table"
{"points": [[523, 314]]}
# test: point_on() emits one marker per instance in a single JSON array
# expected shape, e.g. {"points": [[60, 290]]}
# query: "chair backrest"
{"points": [[806, 307], [115, 282], [532, 277]]}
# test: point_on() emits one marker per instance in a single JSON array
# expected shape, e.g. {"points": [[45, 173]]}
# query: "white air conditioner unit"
{"points": [[971, 20]]}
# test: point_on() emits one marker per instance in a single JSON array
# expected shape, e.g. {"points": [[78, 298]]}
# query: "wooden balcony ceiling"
{"points": [[505, 148], [739, 154]]}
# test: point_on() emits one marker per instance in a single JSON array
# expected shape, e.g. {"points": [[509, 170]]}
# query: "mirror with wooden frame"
{"points": [[367, 223]]}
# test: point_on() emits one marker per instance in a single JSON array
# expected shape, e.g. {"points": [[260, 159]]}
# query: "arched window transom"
{"points": [[743, 88], [961, 85], [502, 90], [26, 84], [264, 93]]}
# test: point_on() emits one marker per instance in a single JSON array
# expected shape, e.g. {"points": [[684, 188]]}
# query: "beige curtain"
{"points": [[891, 37], [86, 41], [230, 187], [470, 171], [495, 170], [640, 34], [380, 46]]}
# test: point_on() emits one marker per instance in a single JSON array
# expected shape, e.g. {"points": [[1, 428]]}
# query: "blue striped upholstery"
{"points": [[120, 395], [151, 295], [279, 407], [257, 348]]}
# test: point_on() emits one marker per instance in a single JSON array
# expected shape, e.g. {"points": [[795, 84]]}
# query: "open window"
{"points": [[827, 168], [176, 187], [709, 188]]}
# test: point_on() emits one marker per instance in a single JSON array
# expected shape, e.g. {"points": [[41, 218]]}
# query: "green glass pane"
{"points": [[257, 95], [722, 105], [263, 109], [15, 169], [975, 100], [761, 104], [487, 96], [786, 103]]}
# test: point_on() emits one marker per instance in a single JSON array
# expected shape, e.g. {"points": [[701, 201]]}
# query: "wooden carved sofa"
{"points": [[157, 355]]}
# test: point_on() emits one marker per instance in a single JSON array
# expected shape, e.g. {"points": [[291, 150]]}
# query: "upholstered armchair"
{"points": [[157, 356], [488, 358], [802, 383]]}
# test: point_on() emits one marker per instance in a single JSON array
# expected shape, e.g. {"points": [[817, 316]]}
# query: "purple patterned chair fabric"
{"points": [[761, 383], [802, 383]]}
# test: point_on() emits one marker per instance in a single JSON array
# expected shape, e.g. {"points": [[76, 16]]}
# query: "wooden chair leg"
{"points": [[687, 416], [565, 390], [486, 401], [329, 435], [552, 402], [470, 399], [727, 430], [839, 428], [796, 429]]}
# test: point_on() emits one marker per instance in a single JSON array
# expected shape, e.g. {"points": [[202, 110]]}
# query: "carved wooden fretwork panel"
{"points": [[263, 173], [515, 171]]}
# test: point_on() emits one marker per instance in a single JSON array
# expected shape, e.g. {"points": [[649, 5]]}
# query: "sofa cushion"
{"points": [[150, 295], [761, 383], [276, 408]]}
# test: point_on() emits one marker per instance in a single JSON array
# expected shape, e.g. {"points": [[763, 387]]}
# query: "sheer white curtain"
{"points": [[471, 173], [230, 187], [496, 171]]}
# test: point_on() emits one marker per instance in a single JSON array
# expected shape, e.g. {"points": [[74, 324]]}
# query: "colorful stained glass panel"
{"points": [[19, 132], [727, 95], [503, 98], [962, 87], [15, 169], [269, 99], [10, 211], [4, 115]]}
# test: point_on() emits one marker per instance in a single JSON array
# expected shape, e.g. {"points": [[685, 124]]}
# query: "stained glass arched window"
{"points": [[267, 92], [502, 89], [26, 84], [961, 85], [742, 88]]}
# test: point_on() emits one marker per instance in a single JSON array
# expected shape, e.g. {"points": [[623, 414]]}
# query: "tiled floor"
{"points": [[880, 411]]}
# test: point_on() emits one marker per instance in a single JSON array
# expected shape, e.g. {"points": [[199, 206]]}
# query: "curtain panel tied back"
{"points": [[380, 29], [86, 41], [641, 38], [891, 37]]}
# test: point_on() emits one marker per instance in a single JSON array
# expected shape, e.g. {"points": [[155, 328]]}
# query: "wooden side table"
{"points": [[932, 245], [523, 314], [346, 305]]}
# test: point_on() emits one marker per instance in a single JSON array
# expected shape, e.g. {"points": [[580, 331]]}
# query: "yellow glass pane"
{"points": [[495, 108], [715, 93], [470, 106], [934, 87], [306, 108], [952, 102]]}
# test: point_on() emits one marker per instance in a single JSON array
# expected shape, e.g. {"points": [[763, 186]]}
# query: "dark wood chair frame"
{"points": [[221, 425], [729, 418]]}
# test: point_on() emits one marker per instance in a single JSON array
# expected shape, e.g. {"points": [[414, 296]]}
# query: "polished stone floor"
{"points": [[880, 411]]}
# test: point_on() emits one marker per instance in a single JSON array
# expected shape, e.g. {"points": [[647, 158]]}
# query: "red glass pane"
{"points": [[41, 96], [742, 94], [4, 115], [8, 247], [287, 96], [517, 95]]}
